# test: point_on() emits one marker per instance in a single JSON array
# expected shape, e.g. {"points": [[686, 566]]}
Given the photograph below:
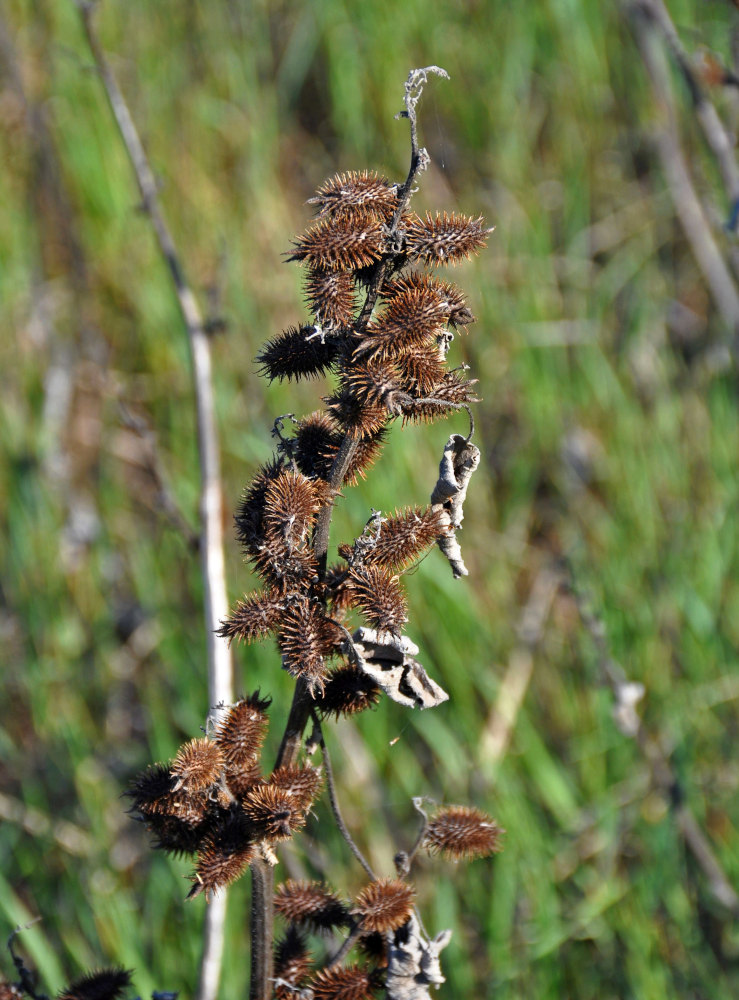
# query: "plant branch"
{"points": [[220, 682], [335, 802], [627, 694], [713, 129], [687, 204]]}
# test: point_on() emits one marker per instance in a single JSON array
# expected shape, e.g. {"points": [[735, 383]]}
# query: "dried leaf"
{"points": [[388, 660]]}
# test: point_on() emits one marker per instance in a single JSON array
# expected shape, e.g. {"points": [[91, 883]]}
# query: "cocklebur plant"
{"points": [[382, 322]]}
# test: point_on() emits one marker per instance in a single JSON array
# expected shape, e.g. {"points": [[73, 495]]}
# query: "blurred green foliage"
{"points": [[605, 435]]}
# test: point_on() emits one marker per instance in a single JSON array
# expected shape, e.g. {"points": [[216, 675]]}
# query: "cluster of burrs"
{"points": [[212, 800]]}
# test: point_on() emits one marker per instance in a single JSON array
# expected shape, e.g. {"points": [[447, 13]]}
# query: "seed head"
{"points": [[463, 832], [104, 984], [384, 905], [311, 904], [198, 765]]}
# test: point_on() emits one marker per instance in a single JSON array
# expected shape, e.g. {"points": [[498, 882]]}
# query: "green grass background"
{"points": [[245, 107]]}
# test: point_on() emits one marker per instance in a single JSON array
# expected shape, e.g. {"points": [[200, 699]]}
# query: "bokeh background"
{"points": [[609, 430]]}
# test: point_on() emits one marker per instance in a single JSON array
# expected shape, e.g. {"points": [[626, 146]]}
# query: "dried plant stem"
{"points": [[713, 129], [346, 947], [685, 198], [331, 786], [220, 681], [261, 930], [663, 774]]}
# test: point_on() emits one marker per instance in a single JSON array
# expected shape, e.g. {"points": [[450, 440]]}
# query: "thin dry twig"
{"points": [[627, 694], [220, 682], [331, 786], [713, 128], [688, 207]]}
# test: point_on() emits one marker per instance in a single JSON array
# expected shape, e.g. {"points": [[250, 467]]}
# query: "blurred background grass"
{"points": [[609, 432]]}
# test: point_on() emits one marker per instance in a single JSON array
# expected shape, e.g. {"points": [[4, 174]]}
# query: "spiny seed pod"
{"points": [[310, 904], [348, 982], [151, 787], [374, 384], [463, 832], [411, 316], [274, 811], [241, 733], [379, 596], [348, 691], [223, 856], [290, 506], [346, 193], [451, 394], [253, 618], [198, 765], [360, 420], [366, 454], [331, 298], [452, 296], [292, 963], [445, 239], [251, 508], [104, 984], [374, 947], [282, 567], [302, 783], [175, 836], [405, 536], [316, 443], [384, 905], [241, 778], [421, 369], [156, 796], [297, 353], [342, 244], [305, 639]]}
